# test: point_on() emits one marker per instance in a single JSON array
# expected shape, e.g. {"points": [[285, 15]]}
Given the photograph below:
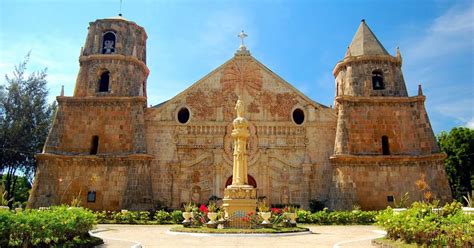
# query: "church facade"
{"points": [[109, 150]]}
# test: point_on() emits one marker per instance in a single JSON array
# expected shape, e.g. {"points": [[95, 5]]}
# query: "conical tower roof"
{"points": [[365, 42]]}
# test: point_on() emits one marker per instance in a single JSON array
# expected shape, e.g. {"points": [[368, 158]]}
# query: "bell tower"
{"points": [[113, 60], [368, 69], [96, 148], [384, 140]]}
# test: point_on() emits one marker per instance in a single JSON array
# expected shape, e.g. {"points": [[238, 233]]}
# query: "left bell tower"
{"points": [[96, 149], [113, 60]]}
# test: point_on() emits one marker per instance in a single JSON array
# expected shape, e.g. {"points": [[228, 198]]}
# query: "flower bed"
{"points": [[58, 227], [425, 224]]}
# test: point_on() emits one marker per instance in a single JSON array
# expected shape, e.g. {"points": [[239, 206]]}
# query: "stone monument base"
{"points": [[238, 202]]}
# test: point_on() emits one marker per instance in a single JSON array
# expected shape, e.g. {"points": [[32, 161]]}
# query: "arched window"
{"points": [[108, 43], [94, 145], [377, 80], [385, 146], [104, 81]]}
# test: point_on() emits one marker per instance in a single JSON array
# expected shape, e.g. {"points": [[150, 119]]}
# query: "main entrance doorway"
{"points": [[251, 181]]}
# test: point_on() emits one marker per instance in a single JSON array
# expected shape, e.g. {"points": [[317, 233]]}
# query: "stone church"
{"points": [[109, 150]]}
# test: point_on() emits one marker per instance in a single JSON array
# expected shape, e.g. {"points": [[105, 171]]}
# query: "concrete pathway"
{"points": [[159, 236]]}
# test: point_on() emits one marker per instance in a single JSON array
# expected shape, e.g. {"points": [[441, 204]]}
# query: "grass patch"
{"points": [[238, 231], [385, 242]]}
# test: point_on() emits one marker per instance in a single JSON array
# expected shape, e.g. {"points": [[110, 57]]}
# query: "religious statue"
{"points": [[196, 195], [240, 133], [239, 107]]}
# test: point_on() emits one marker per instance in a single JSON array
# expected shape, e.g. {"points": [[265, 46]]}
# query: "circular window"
{"points": [[298, 116], [183, 115]]}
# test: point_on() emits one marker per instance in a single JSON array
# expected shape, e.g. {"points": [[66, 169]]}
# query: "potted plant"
{"points": [[264, 212], [469, 208], [188, 213], [212, 215], [290, 214]]}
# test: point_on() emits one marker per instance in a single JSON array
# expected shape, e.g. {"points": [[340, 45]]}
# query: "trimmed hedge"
{"points": [[139, 217], [325, 217], [425, 224], [60, 226]]}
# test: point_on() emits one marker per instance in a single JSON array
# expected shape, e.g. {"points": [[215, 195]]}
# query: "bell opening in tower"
{"points": [[108, 43], [377, 80]]}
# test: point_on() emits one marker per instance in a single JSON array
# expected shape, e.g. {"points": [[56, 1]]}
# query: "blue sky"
{"points": [[299, 40]]}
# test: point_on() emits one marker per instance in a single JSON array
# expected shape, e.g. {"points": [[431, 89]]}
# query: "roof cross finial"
{"points": [[242, 36], [120, 11], [242, 51]]}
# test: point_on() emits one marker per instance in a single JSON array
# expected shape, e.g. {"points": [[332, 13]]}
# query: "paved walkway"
{"points": [[118, 236]]}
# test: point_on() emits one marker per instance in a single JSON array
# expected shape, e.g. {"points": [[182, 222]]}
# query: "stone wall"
{"points": [[363, 121], [367, 181], [118, 122], [119, 182]]}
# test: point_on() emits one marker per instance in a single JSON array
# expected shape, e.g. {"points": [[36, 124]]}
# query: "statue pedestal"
{"points": [[238, 201]]}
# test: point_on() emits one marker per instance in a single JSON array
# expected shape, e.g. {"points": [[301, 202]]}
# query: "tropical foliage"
{"points": [[458, 144], [25, 118], [60, 226], [428, 225]]}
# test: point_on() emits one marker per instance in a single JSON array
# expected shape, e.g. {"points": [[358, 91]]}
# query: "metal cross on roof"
{"points": [[242, 36]]}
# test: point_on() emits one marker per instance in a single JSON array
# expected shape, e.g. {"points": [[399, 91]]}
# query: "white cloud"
{"points": [[441, 59], [450, 33], [470, 123]]}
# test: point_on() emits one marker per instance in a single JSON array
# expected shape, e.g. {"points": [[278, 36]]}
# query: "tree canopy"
{"points": [[458, 144], [25, 118]]}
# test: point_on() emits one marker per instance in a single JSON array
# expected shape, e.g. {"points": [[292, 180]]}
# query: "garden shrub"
{"points": [[304, 216], [143, 217], [326, 217], [125, 217], [424, 224], [162, 217], [59, 227], [177, 216]]}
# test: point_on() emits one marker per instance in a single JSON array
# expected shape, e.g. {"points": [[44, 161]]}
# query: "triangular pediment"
{"points": [[267, 96]]}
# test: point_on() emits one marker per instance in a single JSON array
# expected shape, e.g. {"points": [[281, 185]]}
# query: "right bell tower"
{"points": [[384, 144]]}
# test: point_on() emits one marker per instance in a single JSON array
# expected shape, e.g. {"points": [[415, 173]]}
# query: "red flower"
{"points": [[203, 209], [276, 211]]}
